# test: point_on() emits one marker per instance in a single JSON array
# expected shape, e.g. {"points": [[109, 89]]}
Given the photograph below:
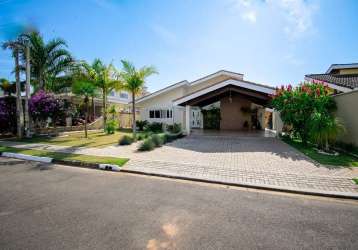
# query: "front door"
{"points": [[195, 118]]}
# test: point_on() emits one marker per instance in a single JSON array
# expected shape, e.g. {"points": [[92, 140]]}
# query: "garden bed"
{"points": [[342, 159]]}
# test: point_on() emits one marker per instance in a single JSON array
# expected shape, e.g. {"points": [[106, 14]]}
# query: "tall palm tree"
{"points": [[16, 47], [84, 89], [104, 78], [133, 81], [48, 60]]}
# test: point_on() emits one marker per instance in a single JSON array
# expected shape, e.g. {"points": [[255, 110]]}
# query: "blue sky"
{"points": [[270, 41]]}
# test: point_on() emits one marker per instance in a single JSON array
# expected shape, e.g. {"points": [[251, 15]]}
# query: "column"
{"points": [[187, 119]]}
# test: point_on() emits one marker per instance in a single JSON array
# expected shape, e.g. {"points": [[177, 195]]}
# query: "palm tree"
{"points": [[48, 60], [16, 48], [133, 81], [85, 89], [104, 78]]}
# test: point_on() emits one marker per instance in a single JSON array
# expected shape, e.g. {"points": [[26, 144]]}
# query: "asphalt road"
{"points": [[58, 207]]}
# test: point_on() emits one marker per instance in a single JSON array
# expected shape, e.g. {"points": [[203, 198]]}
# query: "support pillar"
{"points": [[187, 119]]}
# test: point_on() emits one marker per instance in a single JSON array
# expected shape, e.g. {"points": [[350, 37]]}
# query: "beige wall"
{"points": [[348, 71], [347, 105], [232, 118]]}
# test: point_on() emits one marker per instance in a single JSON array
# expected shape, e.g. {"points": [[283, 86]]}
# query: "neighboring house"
{"points": [[343, 78], [224, 98]]}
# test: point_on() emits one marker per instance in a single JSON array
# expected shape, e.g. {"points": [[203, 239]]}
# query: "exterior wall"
{"points": [[347, 113], [164, 101], [232, 118]]}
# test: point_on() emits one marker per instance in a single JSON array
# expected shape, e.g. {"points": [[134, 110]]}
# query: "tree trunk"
{"points": [[133, 115], [19, 109], [86, 116], [104, 99], [27, 96], [93, 109], [41, 83]]}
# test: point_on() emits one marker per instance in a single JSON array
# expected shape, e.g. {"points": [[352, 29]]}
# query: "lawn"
{"points": [[67, 156], [340, 160], [77, 139]]}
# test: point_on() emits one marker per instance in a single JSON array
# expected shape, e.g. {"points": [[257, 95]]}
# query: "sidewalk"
{"points": [[274, 172]]}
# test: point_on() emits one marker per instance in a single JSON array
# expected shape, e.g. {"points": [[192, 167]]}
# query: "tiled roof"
{"points": [[347, 81]]}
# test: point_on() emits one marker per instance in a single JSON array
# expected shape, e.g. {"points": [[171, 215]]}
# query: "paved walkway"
{"points": [[235, 158]]}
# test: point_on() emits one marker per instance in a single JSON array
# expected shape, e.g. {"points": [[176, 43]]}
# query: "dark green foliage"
{"points": [[155, 127], [147, 145], [211, 118], [175, 128], [111, 126], [157, 140], [126, 140], [140, 125], [142, 136], [8, 114]]}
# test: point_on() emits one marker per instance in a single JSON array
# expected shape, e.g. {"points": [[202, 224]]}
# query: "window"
{"points": [[123, 95], [161, 113], [151, 113]]}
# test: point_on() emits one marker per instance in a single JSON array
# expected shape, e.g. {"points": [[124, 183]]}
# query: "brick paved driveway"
{"points": [[244, 158]]}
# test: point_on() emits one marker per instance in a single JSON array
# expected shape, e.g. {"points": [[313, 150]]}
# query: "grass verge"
{"points": [[355, 180], [95, 139], [340, 160], [67, 156]]}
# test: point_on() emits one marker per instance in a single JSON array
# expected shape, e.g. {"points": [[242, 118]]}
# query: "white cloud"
{"points": [[249, 16], [297, 14]]}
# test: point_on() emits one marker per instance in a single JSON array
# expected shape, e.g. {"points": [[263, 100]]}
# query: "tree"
{"points": [[15, 46], [84, 89], [7, 87], [103, 77], [133, 81], [307, 108], [48, 60]]}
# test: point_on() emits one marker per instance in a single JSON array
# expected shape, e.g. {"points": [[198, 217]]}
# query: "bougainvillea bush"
{"points": [[307, 109], [44, 105], [8, 114]]}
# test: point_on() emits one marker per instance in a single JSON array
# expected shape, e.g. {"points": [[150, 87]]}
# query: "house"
{"points": [[343, 78], [222, 100]]}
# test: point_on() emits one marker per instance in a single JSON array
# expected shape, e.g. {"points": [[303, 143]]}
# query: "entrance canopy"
{"points": [[257, 93]]}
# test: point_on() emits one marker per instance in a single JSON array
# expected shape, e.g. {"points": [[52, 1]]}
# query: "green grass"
{"points": [[95, 139], [67, 156], [340, 160], [355, 180]]}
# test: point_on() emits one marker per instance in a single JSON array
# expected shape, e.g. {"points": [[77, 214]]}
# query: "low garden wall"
{"points": [[347, 105]]}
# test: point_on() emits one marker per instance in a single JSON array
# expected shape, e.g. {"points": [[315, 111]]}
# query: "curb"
{"points": [[110, 167], [329, 194], [116, 168]]}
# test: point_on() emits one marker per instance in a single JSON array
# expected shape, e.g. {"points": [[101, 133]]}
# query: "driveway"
{"points": [[244, 158], [44, 206], [238, 158]]}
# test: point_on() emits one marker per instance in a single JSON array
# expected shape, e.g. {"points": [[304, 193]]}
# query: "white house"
{"points": [[241, 104]]}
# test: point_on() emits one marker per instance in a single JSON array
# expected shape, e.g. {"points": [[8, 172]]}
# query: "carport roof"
{"points": [[244, 87]]}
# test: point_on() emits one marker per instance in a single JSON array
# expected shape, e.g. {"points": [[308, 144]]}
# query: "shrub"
{"points": [[298, 105], [172, 137], [175, 128], [142, 136], [126, 140], [147, 145], [140, 125], [111, 126], [155, 127], [157, 140]]}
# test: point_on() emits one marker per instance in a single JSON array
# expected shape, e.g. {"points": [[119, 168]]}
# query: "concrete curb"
{"points": [[116, 168], [110, 167], [312, 192]]}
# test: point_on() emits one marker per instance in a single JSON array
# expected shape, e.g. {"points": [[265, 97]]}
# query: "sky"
{"points": [[271, 42]]}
